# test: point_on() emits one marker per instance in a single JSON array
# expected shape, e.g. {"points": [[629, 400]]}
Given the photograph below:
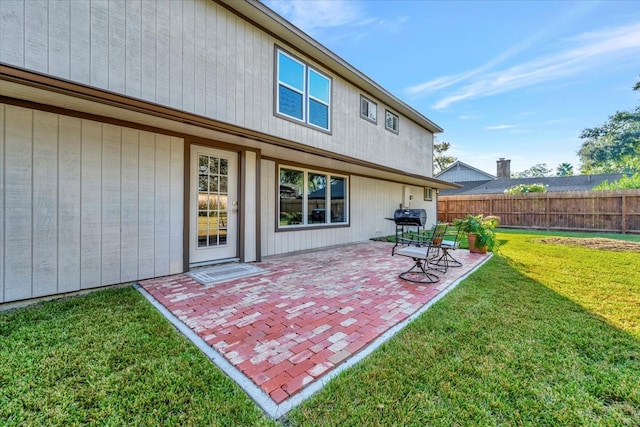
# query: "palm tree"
{"points": [[564, 169]]}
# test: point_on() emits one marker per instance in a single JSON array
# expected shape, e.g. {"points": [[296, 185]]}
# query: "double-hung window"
{"points": [[368, 109], [310, 198], [391, 122], [303, 93]]}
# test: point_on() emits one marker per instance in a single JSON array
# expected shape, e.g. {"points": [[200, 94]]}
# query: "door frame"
{"points": [[190, 144], [190, 140], [224, 251]]}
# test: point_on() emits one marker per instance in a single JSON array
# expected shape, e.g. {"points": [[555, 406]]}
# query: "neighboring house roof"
{"points": [[555, 183], [461, 172], [273, 23], [337, 192]]}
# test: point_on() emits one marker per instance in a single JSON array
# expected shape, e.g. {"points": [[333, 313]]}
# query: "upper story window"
{"points": [[391, 121], [368, 109], [303, 93]]}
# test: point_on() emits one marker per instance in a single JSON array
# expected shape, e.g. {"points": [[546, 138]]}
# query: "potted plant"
{"points": [[479, 232]]}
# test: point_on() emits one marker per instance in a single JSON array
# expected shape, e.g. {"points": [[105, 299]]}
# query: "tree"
{"points": [[535, 171], [624, 183], [526, 188], [564, 169], [440, 160], [613, 147]]}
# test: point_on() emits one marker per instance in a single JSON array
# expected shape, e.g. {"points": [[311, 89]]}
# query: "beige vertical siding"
{"points": [[195, 56], [130, 205], [18, 216], [69, 202], [45, 203], [2, 207], [85, 204], [371, 201], [249, 207]]}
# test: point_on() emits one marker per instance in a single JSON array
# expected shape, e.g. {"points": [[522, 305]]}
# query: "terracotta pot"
{"points": [[472, 245]]}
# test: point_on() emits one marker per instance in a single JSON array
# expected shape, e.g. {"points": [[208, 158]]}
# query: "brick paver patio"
{"points": [[307, 314]]}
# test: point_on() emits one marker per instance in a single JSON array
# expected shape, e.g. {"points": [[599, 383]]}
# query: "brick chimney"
{"points": [[503, 169]]}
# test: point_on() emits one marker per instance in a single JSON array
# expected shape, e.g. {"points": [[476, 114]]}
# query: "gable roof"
{"points": [[457, 165], [261, 16], [554, 183]]}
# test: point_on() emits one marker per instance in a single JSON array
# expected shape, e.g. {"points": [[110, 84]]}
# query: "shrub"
{"points": [[624, 183], [483, 227], [526, 188]]}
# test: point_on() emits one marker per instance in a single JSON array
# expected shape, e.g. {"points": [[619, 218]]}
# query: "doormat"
{"points": [[224, 273]]}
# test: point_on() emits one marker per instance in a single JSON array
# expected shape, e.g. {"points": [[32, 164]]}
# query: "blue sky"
{"points": [[513, 79]]}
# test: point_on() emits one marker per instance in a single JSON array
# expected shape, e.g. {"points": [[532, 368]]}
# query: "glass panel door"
{"points": [[213, 197], [214, 217]]}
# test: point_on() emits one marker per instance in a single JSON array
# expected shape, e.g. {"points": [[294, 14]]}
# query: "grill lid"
{"points": [[410, 217]]}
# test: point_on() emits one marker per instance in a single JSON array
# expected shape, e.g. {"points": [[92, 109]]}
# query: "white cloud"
{"points": [[435, 84], [500, 127], [311, 15], [589, 51], [556, 121], [446, 81]]}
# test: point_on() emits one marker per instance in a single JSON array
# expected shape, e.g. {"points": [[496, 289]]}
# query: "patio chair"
{"points": [[421, 251], [450, 242]]}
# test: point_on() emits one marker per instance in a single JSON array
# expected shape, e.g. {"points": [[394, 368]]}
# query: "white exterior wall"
{"points": [[85, 204], [370, 202], [196, 56]]}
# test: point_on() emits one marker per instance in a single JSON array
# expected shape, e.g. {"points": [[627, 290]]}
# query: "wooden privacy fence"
{"points": [[613, 211]]}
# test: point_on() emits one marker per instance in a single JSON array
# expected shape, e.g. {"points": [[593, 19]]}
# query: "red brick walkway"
{"points": [[307, 314]]}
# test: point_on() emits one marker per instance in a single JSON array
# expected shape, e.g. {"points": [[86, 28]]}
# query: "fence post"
{"points": [[546, 210], [572, 209], [624, 214]]}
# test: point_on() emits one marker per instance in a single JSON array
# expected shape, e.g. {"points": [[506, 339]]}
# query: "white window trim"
{"points": [[368, 116], [306, 96], [305, 201], [428, 194], [397, 121], [310, 97]]}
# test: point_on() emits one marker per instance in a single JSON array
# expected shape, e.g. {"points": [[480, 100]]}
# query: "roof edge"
{"points": [[256, 12], [458, 162]]}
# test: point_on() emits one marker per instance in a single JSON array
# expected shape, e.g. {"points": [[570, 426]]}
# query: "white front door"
{"points": [[214, 205]]}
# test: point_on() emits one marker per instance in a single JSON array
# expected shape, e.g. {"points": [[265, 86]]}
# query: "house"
{"points": [[140, 139], [475, 181], [461, 172]]}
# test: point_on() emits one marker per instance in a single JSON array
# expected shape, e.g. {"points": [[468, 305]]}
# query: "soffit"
{"points": [[199, 127]]}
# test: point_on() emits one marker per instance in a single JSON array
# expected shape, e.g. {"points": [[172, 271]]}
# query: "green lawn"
{"points": [[109, 358], [543, 334]]}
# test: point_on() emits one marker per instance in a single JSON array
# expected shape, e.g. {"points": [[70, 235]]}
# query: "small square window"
{"points": [[428, 194], [368, 110], [391, 121]]}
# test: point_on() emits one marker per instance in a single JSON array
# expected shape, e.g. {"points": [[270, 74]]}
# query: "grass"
{"points": [[109, 358], [543, 334]]}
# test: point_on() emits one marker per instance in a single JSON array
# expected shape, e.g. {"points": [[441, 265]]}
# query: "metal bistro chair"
{"points": [[450, 242], [421, 251]]}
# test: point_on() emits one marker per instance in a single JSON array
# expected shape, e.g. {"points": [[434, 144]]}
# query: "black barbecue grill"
{"points": [[415, 217], [409, 221]]}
